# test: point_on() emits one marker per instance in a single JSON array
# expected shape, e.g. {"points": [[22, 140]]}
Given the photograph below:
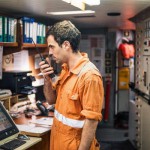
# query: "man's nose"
{"points": [[50, 52], [50, 55]]}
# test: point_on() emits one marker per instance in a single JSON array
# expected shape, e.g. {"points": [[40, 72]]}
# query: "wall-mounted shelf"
{"points": [[8, 44], [29, 45]]}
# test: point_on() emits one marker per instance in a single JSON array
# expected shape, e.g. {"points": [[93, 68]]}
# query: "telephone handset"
{"points": [[42, 108], [43, 59]]}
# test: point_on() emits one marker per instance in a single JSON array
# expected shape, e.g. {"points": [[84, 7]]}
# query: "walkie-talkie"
{"points": [[43, 59]]}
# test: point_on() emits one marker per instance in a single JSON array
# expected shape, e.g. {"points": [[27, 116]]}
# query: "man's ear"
{"points": [[66, 45]]}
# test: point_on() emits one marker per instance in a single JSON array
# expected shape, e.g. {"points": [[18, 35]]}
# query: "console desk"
{"points": [[44, 144]]}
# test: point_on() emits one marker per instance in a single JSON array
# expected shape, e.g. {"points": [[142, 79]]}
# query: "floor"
{"points": [[113, 139]]}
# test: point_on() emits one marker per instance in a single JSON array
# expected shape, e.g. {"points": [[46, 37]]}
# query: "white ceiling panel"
{"points": [[38, 9]]}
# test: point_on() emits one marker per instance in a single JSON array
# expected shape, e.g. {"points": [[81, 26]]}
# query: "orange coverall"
{"points": [[79, 96]]}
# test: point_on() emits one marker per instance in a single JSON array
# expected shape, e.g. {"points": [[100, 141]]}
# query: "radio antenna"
{"points": [[42, 58]]}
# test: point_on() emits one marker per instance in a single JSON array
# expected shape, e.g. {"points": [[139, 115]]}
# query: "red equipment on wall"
{"points": [[127, 50]]}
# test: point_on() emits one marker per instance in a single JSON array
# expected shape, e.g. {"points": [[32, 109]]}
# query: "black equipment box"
{"points": [[16, 81]]}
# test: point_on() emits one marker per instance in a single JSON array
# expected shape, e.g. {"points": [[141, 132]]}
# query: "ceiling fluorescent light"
{"points": [[92, 2], [67, 1], [81, 3], [78, 3], [71, 12]]}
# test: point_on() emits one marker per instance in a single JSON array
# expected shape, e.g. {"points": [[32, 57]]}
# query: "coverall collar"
{"points": [[79, 65]]}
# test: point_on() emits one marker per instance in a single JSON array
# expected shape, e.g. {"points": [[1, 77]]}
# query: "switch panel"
{"points": [[142, 83]]}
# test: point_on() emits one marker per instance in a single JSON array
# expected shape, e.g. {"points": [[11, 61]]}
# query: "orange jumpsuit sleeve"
{"points": [[92, 97]]}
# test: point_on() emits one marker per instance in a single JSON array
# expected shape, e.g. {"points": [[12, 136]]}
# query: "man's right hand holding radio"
{"points": [[45, 68], [48, 72]]}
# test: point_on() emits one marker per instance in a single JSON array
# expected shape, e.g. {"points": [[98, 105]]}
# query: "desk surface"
{"points": [[42, 145], [26, 122]]}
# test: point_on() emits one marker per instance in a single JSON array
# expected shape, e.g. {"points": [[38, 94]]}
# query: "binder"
{"points": [[15, 30], [43, 34], [1, 28], [5, 29], [35, 31], [40, 36], [31, 30], [38, 33], [12, 30], [26, 29], [9, 24]]}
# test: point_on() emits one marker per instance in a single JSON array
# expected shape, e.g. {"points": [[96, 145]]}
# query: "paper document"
{"points": [[21, 60], [43, 121], [32, 129]]}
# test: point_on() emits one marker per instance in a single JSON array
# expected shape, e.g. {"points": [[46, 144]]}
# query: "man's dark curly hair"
{"points": [[65, 31]]}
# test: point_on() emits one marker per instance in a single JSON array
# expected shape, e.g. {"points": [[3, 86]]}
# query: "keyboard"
{"points": [[11, 145]]}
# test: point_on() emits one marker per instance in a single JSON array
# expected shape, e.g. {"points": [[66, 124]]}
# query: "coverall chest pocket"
{"points": [[73, 104]]}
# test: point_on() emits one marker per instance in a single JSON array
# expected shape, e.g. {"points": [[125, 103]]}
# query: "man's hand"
{"points": [[49, 92], [45, 68]]}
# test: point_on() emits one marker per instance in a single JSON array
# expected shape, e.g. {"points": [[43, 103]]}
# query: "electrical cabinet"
{"points": [[142, 82]]}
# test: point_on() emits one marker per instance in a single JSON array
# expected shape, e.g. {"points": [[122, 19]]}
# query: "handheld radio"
{"points": [[42, 58]]}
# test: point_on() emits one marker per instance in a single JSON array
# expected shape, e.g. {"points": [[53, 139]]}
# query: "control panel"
{"points": [[142, 84]]}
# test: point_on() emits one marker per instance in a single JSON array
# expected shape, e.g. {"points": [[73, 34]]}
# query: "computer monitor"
{"points": [[7, 126]]}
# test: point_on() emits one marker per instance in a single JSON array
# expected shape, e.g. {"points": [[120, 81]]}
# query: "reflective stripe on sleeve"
{"points": [[67, 121]]}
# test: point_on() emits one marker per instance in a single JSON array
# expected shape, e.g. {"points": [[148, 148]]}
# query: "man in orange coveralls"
{"points": [[77, 92]]}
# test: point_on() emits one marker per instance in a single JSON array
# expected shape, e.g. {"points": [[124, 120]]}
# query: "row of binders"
{"points": [[8, 29], [33, 31]]}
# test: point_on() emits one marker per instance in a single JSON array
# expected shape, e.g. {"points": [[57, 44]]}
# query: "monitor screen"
{"points": [[7, 126], [4, 123]]}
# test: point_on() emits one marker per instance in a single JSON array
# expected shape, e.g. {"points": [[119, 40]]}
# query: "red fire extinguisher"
{"points": [[107, 100]]}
